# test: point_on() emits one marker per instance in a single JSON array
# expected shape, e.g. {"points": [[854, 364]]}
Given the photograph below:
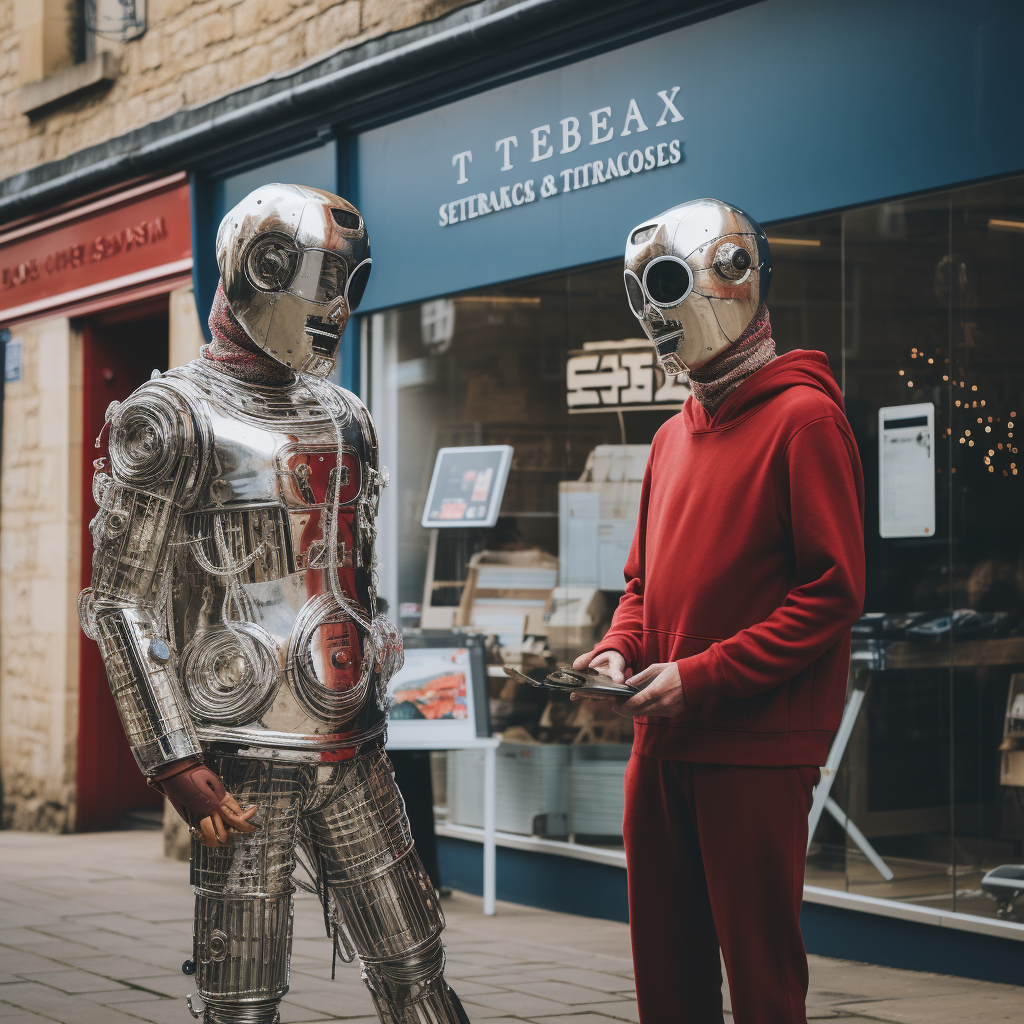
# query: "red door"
{"points": [[121, 349]]}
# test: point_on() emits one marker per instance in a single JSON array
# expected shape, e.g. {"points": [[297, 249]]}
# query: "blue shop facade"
{"points": [[882, 147]]}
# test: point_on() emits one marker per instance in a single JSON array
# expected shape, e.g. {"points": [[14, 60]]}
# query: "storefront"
{"points": [[881, 145], [498, 317], [93, 297]]}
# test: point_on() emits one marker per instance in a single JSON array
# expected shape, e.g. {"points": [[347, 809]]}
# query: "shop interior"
{"points": [[915, 302]]}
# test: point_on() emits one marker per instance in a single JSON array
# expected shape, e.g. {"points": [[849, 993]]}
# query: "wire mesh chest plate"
{"points": [[274, 598]]}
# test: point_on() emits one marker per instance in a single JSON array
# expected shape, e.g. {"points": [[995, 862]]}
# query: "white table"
{"points": [[488, 745]]}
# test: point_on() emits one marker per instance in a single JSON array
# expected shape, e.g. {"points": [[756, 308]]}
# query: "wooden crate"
{"points": [[509, 584]]}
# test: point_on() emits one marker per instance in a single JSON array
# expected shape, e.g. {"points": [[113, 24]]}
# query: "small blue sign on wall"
{"points": [[12, 361]]}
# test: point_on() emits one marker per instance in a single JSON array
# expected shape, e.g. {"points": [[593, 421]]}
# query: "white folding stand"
{"points": [[488, 745], [822, 800]]}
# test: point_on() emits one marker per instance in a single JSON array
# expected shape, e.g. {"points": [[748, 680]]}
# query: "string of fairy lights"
{"points": [[981, 428]]}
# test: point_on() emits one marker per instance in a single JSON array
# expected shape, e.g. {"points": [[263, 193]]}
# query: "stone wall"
{"points": [[192, 52], [40, 560], [40, 555]]}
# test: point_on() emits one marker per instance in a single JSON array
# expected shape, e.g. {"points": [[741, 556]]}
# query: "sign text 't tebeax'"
{"points": [[601, 129]]}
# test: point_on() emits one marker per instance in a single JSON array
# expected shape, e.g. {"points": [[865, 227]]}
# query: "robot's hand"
{"points": [[199, 796]]}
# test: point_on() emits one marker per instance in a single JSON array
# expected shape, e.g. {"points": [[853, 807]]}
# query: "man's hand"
{"points": [[662, 694], [611, 663]]}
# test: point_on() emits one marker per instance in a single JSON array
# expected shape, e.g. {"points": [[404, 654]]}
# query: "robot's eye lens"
{"points": [[270, 263], [345, 219], [635, 294], [357, 284], [668, 281], [731, 261]]}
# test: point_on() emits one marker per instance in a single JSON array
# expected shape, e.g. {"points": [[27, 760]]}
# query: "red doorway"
{"points": [[121, 348]]}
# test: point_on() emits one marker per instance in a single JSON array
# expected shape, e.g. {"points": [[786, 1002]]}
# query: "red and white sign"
{"points": [[119, 248]]}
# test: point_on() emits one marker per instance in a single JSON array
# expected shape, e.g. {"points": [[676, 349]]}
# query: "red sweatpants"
{"points": [[715, 855]]}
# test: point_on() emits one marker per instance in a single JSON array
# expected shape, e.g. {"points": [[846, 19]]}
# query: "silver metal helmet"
{"points": [[695, 276], [294, 262]]}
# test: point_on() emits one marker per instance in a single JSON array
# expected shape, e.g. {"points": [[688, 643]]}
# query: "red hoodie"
{"points": [[747, 568]]}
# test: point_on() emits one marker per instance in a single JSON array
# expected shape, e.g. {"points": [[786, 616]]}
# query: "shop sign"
{"points": [[765, 105], [636, 158], [136, 236], [610, 376]]}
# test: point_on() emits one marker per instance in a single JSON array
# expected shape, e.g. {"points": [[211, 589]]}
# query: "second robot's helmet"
{"points": [[294, 262], [695, 276]]}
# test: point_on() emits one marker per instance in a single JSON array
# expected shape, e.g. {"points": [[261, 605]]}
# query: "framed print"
{"points": [[440, 694], [467, 486]]}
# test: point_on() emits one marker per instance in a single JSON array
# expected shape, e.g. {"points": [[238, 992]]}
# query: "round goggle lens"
{"points": [[668, 281], [357, 285], [270, 263], [635, 294]]}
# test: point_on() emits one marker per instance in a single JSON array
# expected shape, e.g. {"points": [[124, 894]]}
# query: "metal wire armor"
{"points": [[233, 599]]}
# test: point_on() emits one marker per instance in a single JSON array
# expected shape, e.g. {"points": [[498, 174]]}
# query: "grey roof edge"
{"points": [[343, 80]]}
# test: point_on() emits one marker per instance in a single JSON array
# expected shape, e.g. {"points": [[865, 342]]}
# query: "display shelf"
{"points": [[883, 655], [966, 653], [535, 844]]}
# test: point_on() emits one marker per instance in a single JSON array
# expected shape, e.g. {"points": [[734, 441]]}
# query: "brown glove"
{"points": [[199, 797], [193, 790]]}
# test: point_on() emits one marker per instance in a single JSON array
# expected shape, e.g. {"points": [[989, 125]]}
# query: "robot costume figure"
{"points": [[696, 277], [233, 599]]}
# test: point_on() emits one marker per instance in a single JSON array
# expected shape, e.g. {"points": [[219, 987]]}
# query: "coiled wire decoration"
{"points": [[301, 670], [230, 669], [146, 443], [230, 673]]}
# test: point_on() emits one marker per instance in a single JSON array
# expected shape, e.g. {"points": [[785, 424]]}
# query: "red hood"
{"points": [[801, 366]]}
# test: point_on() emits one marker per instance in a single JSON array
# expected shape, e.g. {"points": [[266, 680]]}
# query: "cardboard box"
{"points": [[1011, 768]]}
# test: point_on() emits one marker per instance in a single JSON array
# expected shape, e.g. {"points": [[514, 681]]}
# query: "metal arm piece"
{"points": [[157, 458]]}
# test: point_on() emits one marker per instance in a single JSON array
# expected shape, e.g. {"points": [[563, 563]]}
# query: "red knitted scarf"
{"points": [[235, 352], [716, 380]]}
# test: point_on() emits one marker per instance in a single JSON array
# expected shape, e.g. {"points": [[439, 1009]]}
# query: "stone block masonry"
{"points": [[40, 556], [192, 52]]}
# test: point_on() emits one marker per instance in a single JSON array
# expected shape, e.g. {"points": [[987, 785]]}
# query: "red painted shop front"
{"points": [[109, 264]]}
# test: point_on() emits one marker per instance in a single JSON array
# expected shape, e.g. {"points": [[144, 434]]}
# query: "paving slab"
{"points": [[519, 1004], [157, 1011], [58, 1006], [622, 1009], [576, 1018], [590, 979], [562, 992], [75, 982]]}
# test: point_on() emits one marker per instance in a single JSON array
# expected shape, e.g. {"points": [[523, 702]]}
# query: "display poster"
{"points": [[431, 697], [610, 376], [467, 486], [906, 470]]}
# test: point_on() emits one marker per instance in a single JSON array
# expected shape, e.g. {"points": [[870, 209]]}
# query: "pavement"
{"points": [[94, 928]]}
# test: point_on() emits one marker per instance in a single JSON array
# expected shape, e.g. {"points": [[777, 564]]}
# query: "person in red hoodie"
{"points": [[745, 575]]}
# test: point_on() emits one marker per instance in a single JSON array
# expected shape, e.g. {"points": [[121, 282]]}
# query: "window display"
{"points": [[917, 306]]}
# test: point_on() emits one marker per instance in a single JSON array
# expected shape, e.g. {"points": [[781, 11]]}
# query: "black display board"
{"points": [[467, 486]]}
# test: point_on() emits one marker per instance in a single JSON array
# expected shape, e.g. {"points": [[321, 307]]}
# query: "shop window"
{"points": [[916, 303]]}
